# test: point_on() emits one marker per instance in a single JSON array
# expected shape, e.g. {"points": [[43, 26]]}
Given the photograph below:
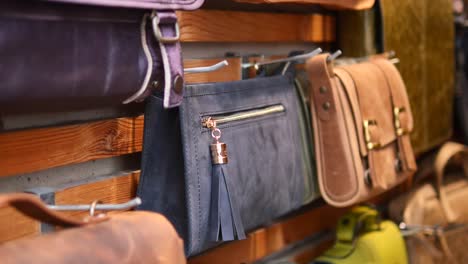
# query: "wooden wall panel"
{"points": [[113, 190], [119, 189], [274, 238], [38, 149], [14, 225], [236, 26]]}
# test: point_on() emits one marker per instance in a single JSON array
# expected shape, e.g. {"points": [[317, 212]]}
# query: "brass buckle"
{"points": [[400, 131], [158, 33], [367, 135]]}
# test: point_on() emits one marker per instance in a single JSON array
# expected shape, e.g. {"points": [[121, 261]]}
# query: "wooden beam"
{"points": [[38, 149], [14, 225], [274, 238], [119, 189], [236, 26]]}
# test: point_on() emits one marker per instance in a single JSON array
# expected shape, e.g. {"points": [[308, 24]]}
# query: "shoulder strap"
{"points": [[446, 153], [32, 206]]}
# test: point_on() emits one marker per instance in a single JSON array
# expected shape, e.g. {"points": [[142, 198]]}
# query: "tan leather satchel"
{"points": [[131, 237], [335, 4], [439, 211], [361, 123]]}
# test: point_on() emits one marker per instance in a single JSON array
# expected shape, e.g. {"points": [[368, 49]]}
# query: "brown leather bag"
{"points": [[335, 4], [361, 121], [131, 237], [441, 209]]}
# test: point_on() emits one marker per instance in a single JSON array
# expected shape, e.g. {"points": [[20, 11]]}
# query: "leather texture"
{"points": [[143, 4], [130, 237], [439, 205], [343, 99], [363, 238], [264, 173], [126, 60], [336, 4], [421, 33]]}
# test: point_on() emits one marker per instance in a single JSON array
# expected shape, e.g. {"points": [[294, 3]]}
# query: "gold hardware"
{"points": [[208, 122], [396, 116], [367, 135], [218, 149], [211, 121], [323, 89], [219, 153]]}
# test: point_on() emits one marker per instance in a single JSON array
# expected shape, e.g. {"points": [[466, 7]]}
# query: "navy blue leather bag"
{"points": [[228, 160]]}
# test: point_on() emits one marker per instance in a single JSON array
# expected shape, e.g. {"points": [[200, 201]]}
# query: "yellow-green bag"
{"points": [[361, 238]]}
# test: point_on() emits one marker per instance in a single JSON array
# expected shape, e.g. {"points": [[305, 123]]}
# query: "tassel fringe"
{"points": [[225, 221]]}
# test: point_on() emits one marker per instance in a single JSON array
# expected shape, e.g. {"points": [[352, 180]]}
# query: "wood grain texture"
{"points": [[274, 238], [38, 149], [119, 189], [14, 225], [236, 26]]}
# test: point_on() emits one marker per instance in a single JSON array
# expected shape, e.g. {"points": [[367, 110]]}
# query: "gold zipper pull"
{"points": [[218, 149]]}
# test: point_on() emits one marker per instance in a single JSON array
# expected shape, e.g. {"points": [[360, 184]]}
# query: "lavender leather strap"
{"points": [[165, 66], [141, 4], [167, 33]]}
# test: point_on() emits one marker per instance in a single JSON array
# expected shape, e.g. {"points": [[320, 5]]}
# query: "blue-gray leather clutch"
{"points": [[263, 179]]}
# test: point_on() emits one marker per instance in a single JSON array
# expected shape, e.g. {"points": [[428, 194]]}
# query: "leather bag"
{"points": [[130, 237], [361, 237], [184, 171], [441, 209], [340, 4], [78, 54], [361, 120]]}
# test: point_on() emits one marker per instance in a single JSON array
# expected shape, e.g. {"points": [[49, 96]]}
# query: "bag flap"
{"points": [[374, 101], [399, 93], [140, 4]]}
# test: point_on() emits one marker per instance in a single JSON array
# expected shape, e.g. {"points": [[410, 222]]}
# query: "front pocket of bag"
{"points": [[235, 117], [263, 166]]}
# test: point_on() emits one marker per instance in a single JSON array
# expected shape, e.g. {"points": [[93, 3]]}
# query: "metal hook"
{"points": [[334, 55], [97, 206], [92, 208], [211, 68], [289, 59]]}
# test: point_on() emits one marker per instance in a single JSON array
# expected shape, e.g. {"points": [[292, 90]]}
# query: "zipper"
{"points": [[213, 121]]}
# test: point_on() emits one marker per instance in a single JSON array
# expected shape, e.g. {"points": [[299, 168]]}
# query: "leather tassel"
{"points": [[226, 224], [225, 220]]}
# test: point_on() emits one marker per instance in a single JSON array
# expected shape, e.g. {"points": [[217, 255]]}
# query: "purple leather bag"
{"points": [[64, 54]]}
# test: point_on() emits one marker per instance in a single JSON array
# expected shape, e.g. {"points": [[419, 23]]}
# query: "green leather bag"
{"points": [[361, 238]]}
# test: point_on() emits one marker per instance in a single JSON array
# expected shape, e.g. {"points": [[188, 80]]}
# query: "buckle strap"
{"points": [[166, 33]]}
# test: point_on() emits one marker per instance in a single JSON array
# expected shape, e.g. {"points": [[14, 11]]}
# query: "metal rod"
{"points": [[334, 55], [211, 68], [99, 207], [289, 59]]}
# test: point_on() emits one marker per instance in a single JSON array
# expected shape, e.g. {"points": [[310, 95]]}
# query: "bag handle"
{"points": [[446, 153], [354, 223], [33, 207]]}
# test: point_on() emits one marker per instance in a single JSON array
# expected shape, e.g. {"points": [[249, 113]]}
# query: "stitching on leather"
{"points": [[349, 140], [229, 91], [198, 184], [359, 105]]}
